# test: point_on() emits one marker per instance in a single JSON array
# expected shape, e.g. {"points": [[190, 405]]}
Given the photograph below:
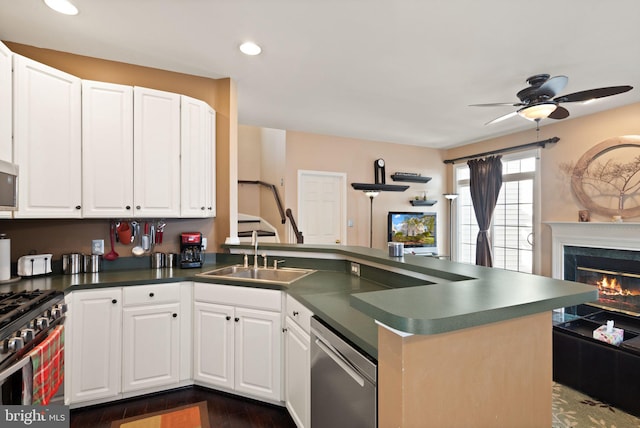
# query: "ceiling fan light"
{"points": [[62, 6], [537, 111]]}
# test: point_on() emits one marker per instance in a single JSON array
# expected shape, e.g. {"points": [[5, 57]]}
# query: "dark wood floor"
{"points": [[225, 410]]}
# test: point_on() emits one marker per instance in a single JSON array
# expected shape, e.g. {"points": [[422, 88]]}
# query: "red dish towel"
{"points": [[47, 360]]}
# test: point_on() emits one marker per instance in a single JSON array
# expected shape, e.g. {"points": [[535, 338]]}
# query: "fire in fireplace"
{"points": [[616, 273]]}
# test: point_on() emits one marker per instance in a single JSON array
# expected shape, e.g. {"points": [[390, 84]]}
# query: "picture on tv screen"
{"points": [[414, 229]]}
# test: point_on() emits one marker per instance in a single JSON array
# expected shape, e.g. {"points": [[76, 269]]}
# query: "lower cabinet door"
{"points": [[297, 374], [150, 347], [213, 352], [258, 353], [93, 349]]}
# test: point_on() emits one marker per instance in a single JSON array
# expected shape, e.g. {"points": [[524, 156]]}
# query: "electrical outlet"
{"points": [[355, 269], [204, 243], [97, 246]]}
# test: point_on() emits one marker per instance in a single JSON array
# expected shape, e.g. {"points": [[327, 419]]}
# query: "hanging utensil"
{"points": [[111, 255]]}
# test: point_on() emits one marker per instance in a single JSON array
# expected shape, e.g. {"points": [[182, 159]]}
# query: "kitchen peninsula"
{"points": [[456, 344], [470, 347]]}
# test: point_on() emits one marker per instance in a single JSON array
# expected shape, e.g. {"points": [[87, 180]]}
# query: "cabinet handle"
{"points": [[151, 294], [138, 207], [228, 317], [236, 319], [295, 313], [114, 301], [128, 207], [202, 208], [78, 207], [284, 330], [175, 315]]}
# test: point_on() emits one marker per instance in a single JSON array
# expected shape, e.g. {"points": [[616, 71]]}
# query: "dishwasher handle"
{"points": [[341, 361]]}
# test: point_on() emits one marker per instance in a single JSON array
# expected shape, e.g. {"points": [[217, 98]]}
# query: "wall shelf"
{"points": [[423, 203], [410, 178], [377, 187]]}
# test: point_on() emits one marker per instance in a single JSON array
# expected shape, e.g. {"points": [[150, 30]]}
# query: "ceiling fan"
{"points": [[537, 101]]}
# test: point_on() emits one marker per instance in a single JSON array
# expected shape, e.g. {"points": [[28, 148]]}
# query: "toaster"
{"points": [[34, 264]]}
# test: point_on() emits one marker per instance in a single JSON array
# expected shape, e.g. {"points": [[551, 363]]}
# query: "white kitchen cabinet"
{"points": [[213, 332], [197, 158], [47, 140], [107, 150], [156, 156], [6, 100], [93, 345], [238, 339], [297, 363]]}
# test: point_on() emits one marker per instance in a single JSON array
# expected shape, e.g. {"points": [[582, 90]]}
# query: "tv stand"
{"points": [[606, 372]]}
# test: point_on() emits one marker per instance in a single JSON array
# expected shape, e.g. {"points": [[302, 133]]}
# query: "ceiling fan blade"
{"points": [[592, 94], [559, 113], [496, 104], [503, 117], [553, 86]]}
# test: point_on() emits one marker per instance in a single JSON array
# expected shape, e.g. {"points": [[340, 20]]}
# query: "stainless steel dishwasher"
{"points": [[343, 382]]}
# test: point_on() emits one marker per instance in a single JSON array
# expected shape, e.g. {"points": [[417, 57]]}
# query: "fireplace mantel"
{"points": [[618, 236]]}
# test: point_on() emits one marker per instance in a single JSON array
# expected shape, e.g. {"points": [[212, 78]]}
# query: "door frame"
{"points": [[343, 188]]}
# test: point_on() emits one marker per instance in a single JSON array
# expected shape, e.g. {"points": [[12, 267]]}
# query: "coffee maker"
{"points": [[191, 255]]}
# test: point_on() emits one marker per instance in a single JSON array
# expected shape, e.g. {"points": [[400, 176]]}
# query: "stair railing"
{"points": [[283, 215]]}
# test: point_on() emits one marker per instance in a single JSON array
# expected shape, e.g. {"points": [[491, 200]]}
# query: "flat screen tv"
{"points": [[414, 229]]}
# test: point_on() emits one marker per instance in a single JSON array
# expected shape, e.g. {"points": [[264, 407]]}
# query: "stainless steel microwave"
{"points": [[8, 186]]}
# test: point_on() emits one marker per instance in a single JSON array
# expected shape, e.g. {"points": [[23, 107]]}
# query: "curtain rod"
{"points": [[507, 149]]}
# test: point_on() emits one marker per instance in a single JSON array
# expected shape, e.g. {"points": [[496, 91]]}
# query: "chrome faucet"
{"points": [[254, 241]]}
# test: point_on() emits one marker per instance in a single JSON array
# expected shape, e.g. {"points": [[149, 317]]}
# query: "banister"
{"points": [[276, 196], [283, 215]]}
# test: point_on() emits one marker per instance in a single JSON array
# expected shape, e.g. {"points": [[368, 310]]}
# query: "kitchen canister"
{"points": [[71, 263], [157, 260], [170, 260], [396, 249], [92, 263]]}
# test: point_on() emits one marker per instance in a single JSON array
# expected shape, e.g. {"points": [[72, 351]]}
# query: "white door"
{"points": [[258, 353], [93, 356], [322, 207], [47, 140], [107, 149], [213, 353], [150, 351], [156, 157]]}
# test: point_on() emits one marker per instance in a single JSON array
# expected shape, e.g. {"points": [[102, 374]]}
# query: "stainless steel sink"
{"points": [[241, 273]]}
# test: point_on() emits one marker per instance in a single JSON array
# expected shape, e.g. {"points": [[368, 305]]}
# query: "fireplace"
{"points": [[616, 274], [603, 254]]}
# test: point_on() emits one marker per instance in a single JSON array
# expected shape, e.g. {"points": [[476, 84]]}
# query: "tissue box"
{"points": [[615, 337]]}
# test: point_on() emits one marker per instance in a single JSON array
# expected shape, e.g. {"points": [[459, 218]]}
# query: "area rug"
{"points": [[189, 416], [571, 408]]}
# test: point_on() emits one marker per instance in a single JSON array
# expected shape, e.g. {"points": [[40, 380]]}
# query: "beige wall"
{"points": [[249, 163], [576, 137], [63, 236], [355, 158]]}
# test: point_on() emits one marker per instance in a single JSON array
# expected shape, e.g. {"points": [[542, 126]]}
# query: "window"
{"points": [[512, 228]]}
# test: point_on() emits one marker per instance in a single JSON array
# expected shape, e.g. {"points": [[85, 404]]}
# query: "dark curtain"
{"points": [[485, 182]]}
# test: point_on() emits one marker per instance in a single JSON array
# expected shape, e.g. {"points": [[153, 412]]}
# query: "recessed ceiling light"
{"points": [[250, 48], [62, 6]]}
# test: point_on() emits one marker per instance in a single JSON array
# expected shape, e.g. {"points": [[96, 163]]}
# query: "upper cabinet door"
{"points": [[210, 177], [107, 149], [156, 156], [197, 139], [6, 107], [47, 142]]}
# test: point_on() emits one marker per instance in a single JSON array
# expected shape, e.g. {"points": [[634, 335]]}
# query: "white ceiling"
{"points": [[401, 71]]}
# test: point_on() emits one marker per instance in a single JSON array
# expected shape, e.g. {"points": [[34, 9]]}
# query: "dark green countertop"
{"points": [[413, 294]]}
